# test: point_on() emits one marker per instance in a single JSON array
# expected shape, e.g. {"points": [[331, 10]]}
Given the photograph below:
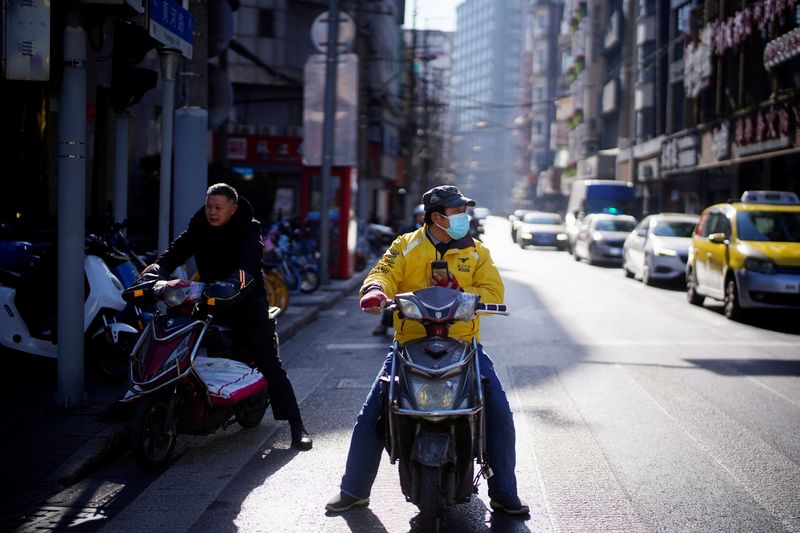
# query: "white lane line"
{"points": [[358, 346]]}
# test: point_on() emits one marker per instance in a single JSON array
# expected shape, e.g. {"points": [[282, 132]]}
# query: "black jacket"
{"points": [[219, 252]]}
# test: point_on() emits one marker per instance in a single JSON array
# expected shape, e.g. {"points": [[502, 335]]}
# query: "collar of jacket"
{"points": [[464, 242]]}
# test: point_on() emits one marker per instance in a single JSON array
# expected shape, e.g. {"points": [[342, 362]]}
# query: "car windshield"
{"points": [[674, 229], [538, 218], [614, 225], [771, 226]]}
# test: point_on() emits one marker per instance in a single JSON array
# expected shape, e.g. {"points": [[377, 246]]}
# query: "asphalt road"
{"points": [[634, 410]]}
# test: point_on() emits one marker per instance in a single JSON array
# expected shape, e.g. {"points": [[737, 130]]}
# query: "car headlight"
{"points": [[757, 264], [597, 236], [561, 237], [526, 235], [665, 251], [466, 307], [410, 309], [434, 395]]}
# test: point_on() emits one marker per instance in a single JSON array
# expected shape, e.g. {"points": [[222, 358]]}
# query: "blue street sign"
{"points": [[171, 25]]}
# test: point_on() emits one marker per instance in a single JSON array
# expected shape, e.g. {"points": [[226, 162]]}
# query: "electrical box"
{"points": [[26, 40]]}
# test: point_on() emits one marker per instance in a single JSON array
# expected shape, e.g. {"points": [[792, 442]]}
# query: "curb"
{"points": [[112, 441]]}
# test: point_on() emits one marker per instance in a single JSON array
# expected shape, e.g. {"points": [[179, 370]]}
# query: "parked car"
{"points": [[539, 228], [478, 217], [747, 254], [600, 238], [516, 219], [657, 249]]}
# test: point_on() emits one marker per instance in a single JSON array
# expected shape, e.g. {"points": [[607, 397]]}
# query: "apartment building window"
{"points": [[266, 23]]}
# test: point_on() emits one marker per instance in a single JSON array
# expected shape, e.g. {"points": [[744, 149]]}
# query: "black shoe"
{"points": [[512, 506], [301, 439], [343, 502]]}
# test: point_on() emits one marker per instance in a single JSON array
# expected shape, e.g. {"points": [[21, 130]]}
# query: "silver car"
{"points": [[601, 237], [658, 248]]}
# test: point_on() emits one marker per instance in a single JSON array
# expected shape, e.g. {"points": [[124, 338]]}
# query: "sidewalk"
{"points": [[45, 450]]}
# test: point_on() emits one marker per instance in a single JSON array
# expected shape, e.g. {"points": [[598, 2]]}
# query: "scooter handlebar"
{"points": [[491, 309]]}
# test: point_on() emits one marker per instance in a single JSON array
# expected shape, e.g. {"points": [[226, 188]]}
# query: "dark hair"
{"points": [[437, 209], [223, 189]]}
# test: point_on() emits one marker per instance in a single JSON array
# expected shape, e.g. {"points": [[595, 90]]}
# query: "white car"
{"points": [[657, 249], [601, 237]]}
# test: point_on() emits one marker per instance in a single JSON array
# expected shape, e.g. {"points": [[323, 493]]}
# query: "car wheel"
{"points": [[691, 289], [628, 273], [732, 309], [646, 268], [589, 255], [575, 254]]}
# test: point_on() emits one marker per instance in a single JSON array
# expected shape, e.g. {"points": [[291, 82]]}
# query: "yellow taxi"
{"points": [[747, 254]]}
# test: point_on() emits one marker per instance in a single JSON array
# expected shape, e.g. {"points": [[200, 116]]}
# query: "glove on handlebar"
{"points": [[373, 301]]}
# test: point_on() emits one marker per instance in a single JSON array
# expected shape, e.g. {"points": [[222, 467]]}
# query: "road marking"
{"points": [[358, 346], [656, 342]]}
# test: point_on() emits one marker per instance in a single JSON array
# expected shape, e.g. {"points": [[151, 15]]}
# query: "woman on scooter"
{"points": [[225, 241], [406, 267]]}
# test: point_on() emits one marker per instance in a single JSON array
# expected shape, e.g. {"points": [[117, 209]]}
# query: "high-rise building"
{"points": [[487, 52]]}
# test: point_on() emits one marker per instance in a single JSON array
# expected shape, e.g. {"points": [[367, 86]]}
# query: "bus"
{"points": [[597, 196]]}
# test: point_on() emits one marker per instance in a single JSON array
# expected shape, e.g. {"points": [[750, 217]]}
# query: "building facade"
{"points": [[487, 56]]}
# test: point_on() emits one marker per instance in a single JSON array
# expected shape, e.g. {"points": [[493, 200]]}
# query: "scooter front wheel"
{"points": [[153, 435]]}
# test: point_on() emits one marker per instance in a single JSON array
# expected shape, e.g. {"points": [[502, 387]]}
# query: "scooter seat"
{"points": [[229, 381]]}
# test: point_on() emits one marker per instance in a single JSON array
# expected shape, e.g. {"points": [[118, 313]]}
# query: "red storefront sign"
{"points": [[255, 150]]}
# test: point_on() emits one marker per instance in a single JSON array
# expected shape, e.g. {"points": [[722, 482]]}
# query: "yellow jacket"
{"points": [[406, 267]]}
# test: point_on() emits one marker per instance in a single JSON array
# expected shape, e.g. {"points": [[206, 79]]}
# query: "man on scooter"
{"points": [[406, 267], [225, 241]]}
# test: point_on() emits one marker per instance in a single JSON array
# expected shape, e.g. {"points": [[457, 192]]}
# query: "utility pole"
{"points": [[328, 124], [191, 127], [411, 126], [169, 70], [71, 213]]}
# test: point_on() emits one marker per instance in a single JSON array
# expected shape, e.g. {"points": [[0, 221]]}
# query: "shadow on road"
{"points": [[750, 367]]}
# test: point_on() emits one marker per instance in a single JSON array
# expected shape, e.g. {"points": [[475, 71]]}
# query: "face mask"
{"points": [[459, 225]]}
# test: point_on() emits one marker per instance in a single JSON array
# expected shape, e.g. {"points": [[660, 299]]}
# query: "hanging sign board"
{"points": [[171, 25]]}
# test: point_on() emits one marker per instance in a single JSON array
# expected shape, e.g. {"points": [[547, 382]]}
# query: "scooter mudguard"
{"points": [[14, 332], [433, 449], [116, 328]]}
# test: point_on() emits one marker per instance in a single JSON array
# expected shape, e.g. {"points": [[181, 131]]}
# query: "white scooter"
{"points": [[102, 303]]}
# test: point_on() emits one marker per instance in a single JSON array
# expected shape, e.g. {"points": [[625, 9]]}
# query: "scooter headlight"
{"points": [[410, 309], [434, 395]]}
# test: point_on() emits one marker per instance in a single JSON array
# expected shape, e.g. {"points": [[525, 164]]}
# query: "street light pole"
{"points": [[328, 123], [71, 213], [169, 70]]}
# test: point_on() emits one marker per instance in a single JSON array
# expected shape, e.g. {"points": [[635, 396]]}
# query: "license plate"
{"points": [[791, 287], [615, 251]]}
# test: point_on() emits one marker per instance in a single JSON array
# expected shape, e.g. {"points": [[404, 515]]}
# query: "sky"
{"points": [[432, 14]]}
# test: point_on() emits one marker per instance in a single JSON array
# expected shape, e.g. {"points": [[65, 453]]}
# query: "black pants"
{"points": [[256, 335]]}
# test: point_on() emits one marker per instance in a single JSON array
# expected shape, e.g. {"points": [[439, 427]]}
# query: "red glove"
{"points": [[373, 302], [451, 283]]}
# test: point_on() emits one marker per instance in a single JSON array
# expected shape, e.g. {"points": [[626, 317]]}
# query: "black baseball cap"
{"points": [[447, 196]]}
